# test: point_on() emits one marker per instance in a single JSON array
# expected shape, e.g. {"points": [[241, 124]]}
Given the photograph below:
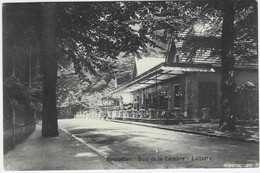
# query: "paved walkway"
{"points": [[244, 132], [66, 153], [58, 153]]}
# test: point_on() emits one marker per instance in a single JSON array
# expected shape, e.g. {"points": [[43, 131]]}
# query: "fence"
{"points": [[18, 125], [16, 135], [147, 114]]}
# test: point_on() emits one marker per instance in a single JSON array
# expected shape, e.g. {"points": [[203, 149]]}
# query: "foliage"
{"points": [[245, 31], [246, 101], [90, 33], [197, 26], [22, 86], [22, 38], [17, 94], [74, 94]]}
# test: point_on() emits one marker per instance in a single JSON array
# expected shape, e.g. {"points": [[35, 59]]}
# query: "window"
{"points": [[144, 99], [137, 103], [163, 99], [208, 95], [177, 95]]}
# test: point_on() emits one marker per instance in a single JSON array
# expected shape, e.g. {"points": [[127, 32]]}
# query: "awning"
{"points": [[161, 73]]}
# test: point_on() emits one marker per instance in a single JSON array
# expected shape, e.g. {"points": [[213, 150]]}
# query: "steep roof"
{"points": [[145, 64]]}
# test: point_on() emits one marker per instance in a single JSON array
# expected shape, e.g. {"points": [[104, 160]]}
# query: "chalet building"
{"points": [[172, 89]]}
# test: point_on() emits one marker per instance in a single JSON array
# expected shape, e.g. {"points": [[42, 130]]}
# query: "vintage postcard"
{"points": [[119, 85]]}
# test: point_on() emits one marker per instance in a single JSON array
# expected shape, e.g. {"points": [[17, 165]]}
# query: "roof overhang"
{"points": [[161, 73]]}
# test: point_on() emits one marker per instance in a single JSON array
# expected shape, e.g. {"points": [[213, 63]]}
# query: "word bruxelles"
{"points": [[119, 159]]}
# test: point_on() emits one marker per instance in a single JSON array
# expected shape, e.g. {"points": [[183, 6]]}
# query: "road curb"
{"points": [[188, 131]]}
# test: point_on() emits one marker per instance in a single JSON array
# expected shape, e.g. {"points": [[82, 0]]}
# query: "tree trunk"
{"points": [[49, 113], [13, 124], [228, 61], [30, 67], [27, 79], [13, 110], [13, 74]]}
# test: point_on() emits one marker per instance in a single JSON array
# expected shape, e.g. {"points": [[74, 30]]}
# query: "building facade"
{"points": [[178, 91]]}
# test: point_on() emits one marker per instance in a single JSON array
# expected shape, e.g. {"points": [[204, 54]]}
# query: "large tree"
{"points": [[89, 34], [49, 67], [227, 61], [86, 33]]}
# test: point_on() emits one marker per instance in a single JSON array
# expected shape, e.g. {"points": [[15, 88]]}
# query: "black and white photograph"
{"points": [[130, 85]]}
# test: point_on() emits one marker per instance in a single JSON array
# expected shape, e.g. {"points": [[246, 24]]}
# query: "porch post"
{"points": [[157, 98]]}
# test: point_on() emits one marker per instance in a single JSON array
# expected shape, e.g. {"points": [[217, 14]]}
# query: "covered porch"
{"points": [[162, 93]]}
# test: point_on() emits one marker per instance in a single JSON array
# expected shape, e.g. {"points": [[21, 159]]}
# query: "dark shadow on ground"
{"points": [[104, 139]]}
